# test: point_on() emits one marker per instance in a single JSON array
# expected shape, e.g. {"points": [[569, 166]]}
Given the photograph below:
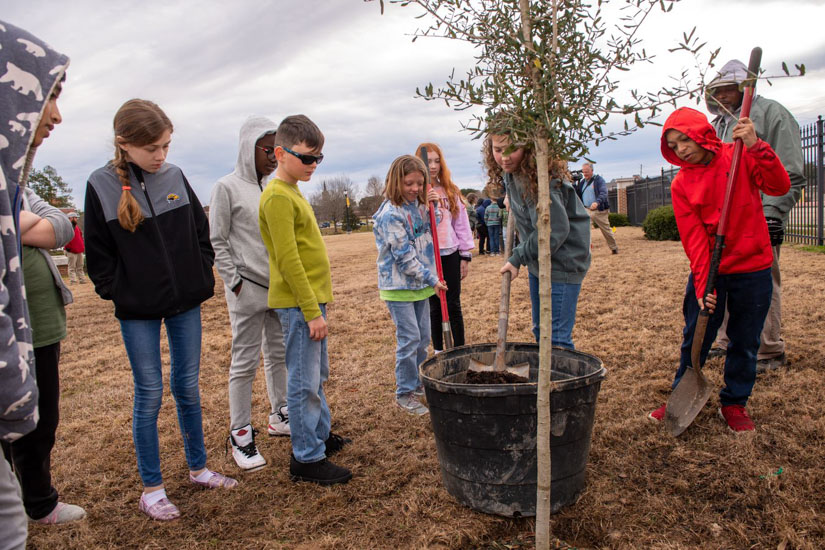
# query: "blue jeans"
{"points": [[142, 341], [565, 299], [412, 336], [307, 367], [495, 238], [748, 298]]}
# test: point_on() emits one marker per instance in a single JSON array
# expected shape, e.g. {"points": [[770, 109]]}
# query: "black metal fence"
{"points": [[645, 195], [805, 222]]}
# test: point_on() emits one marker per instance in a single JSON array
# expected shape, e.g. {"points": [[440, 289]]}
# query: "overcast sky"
{"points": [[209, 64]]}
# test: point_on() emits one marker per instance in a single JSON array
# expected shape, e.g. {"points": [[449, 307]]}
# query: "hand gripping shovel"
{"points": [[522, 369], [447, 335], [693, 391]]}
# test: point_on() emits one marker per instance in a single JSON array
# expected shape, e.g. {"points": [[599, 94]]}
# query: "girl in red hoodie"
{"points": [[744, 281]]}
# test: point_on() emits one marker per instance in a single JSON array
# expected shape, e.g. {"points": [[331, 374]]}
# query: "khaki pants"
{"points": [[771, 344], [76, 267], [602, 221]]}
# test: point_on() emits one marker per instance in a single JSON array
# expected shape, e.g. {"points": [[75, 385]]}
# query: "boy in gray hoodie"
{"points": [[31, 74], [242, 262], [776, 126]]}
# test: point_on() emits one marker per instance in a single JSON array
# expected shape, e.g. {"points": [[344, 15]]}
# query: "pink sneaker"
{"points": [[659, 414], [737, 419], [162, 510], [215, 481]]}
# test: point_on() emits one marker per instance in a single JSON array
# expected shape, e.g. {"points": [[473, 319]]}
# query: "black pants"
{"points": [[31, 454], [482, 237], [451, 266]]}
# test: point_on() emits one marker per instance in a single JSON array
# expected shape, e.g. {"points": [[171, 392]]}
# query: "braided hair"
{"points": [[138, 122]]}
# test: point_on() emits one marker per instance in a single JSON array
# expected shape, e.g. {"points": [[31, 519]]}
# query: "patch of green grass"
{"points": [[817, 249]]}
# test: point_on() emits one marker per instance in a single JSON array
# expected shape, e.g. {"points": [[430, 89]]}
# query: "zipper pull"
{"points": [[142, 186]]}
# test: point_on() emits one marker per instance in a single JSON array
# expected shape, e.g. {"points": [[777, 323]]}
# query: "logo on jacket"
{"points": [[171, 197]]}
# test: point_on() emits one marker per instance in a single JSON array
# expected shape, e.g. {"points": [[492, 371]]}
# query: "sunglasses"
{"points": [[268, 151], [304, 158]]}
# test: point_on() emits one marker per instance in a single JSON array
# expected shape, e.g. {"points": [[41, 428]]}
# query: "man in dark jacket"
{"points": [[592, 190]]}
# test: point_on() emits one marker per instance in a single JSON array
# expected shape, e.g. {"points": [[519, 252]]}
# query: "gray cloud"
{"points": [[211, 64]]}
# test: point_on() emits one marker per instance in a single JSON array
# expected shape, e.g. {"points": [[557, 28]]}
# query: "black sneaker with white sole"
{"points": [[322, 472]]}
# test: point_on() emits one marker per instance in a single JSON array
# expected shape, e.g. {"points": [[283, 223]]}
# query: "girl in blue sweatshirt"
{"points": [[406, 272]]}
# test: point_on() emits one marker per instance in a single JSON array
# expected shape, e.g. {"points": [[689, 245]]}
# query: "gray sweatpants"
{"points": [[771, 344], [256, 329], [13, 521]]}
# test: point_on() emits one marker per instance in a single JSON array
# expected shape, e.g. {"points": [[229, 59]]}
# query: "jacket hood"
{"points": [[694, 125], [732, 72], [253, 129], [29, 71]]}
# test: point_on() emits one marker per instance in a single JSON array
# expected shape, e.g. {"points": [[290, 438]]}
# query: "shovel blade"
{"points": [[522, 369], [686, 401]]}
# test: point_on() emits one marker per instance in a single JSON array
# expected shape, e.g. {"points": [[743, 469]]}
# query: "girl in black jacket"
{"points": [[148, 250]]}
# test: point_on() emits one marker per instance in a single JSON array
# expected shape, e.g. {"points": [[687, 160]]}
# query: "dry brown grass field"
{"points": [[645, 489]]}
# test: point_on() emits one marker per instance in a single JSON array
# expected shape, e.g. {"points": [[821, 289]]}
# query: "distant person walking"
{"points": [[483, 234], [592, 191], [492, 218], [74, 251], [777, 127], [148, 250]]}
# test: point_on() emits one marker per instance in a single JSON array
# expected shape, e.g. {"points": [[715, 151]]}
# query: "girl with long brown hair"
{"points": [[514, 165], [148, 250], [455, 242]]}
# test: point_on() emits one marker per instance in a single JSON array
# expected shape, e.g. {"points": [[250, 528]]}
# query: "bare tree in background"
{"points": [[373, 197], [329, 203]]}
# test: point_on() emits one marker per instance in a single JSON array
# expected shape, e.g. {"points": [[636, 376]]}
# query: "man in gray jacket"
{"points": [[776, 126], [243, 264]]}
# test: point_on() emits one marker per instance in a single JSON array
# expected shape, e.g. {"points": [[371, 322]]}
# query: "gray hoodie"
{"points": [[240, 253], [29, 72], [774, 124]]}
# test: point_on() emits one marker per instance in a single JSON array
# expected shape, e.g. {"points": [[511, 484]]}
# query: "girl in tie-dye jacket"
{"points": [[406, 271]]}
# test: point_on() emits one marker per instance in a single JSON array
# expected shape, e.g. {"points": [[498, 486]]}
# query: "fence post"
{"points": [[820, 182]]}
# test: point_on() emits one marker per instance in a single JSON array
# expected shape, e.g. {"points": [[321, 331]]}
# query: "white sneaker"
{"points": [[246, 456], [279, 422], [411, 404]]}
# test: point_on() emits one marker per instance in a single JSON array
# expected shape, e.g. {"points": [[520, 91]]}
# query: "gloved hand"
{"points": [[776, 231]]}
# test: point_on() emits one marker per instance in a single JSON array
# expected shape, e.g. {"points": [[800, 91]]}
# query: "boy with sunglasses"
{"points": [[241, 261], [300, 287]]}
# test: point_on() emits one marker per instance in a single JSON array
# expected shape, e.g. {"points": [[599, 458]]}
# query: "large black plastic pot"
{"points": [[486, 434]]}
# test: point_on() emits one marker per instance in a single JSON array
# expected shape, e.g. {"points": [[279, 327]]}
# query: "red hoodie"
{"points": [[699, 190]]}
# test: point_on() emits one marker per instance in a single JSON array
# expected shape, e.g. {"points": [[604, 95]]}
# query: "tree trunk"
{"points": [[544, 421]]}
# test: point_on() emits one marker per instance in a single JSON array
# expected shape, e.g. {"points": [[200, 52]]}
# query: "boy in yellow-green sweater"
{"points": [[299, 289]]}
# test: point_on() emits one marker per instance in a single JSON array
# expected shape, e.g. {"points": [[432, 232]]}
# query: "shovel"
{"points": [[446, 332], [693, 391], [522, 369]]}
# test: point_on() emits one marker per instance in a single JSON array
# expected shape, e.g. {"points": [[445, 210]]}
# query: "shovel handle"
{"points": [[504, 305]]}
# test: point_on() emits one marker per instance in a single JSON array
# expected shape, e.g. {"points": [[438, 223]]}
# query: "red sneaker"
{"points": [[736, 418], [659, 414]]}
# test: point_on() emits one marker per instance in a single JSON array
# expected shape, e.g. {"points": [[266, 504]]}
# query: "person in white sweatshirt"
{"points": [[242, 262]]}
